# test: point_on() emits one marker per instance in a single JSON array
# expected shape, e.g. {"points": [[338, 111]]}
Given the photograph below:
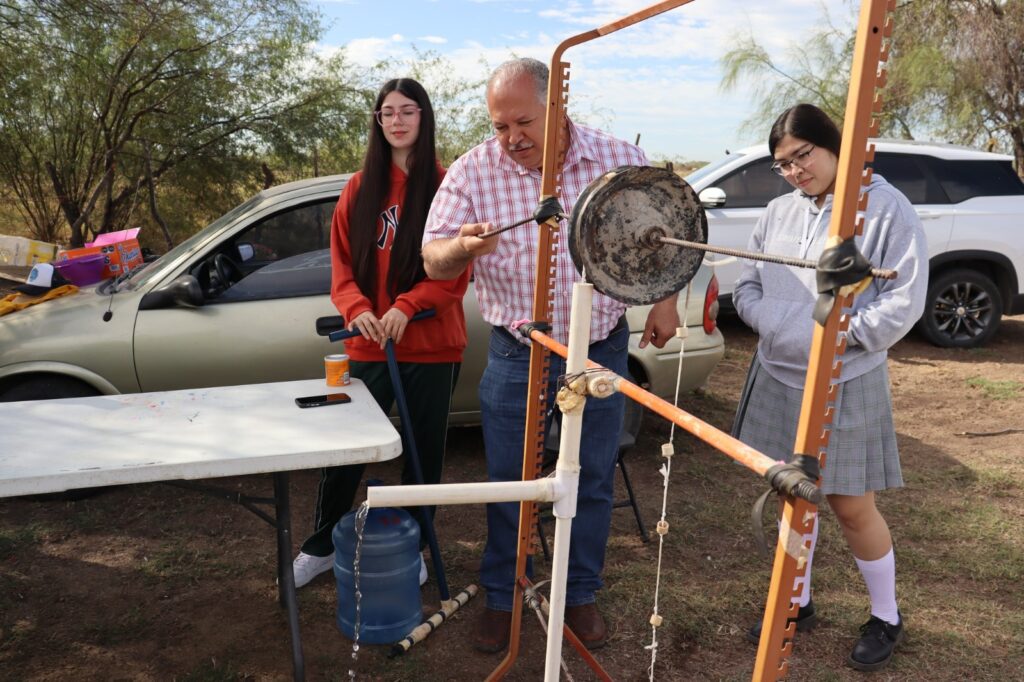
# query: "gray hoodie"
{"points": [[776, 300]]}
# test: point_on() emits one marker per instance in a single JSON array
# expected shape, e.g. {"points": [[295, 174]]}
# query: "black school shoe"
{"points": [[806, 619], [877, 642]]}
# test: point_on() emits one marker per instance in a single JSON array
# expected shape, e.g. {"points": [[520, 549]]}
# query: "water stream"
{"points": [[360, 526]]}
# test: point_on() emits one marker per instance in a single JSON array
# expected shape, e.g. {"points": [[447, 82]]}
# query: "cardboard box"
{"points": [[118, 258], [112, 237], [22, 251]]}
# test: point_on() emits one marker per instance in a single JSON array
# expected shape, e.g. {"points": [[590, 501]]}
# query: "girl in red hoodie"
{"points": [[378, 284]]}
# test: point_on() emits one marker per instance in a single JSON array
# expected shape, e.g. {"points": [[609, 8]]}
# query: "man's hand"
{"points": [[662, 322], [393, 323], [448, 258], [469, 242], [369, 326]]}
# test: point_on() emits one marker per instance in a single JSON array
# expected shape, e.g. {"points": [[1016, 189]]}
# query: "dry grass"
{"points": [[152, 582]]}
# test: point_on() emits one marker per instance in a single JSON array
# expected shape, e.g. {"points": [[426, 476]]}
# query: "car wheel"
{"points": [[45, 387], [962, 310]]}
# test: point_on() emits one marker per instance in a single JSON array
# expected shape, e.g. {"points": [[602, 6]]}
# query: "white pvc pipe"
{"points": [[562, 489], [541, 490], [567, 471]]}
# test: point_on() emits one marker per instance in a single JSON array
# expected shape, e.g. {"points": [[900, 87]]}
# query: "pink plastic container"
{"points": [[82, 271]]}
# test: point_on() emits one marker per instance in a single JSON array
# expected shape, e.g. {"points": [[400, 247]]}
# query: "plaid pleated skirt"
{"points": [[862, 453]]}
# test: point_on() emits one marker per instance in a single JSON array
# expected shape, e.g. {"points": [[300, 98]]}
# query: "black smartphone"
{"points": [[319, 400]]}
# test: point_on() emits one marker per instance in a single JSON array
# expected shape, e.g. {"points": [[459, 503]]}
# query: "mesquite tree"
{"points": [[956, 74], [101, 100]]}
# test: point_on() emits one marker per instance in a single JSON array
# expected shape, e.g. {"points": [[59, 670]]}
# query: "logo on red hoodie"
{"points": [[388, 227]]}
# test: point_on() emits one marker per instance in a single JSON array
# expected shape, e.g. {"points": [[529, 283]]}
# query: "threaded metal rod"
{"points": [[879, 273]]}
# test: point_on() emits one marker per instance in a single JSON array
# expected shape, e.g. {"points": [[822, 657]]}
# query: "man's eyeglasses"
{"points": [[404, 114], [802, 159]]}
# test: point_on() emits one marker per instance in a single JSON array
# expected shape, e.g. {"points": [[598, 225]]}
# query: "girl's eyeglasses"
{"points": [[802, 159], [404, 114]]}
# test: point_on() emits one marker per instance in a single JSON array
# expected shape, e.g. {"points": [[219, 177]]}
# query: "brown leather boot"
{"points": [[587, 624], [492, 631]]}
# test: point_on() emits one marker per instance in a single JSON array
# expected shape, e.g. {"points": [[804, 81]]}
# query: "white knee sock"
{"points": [[802, 585], [880, 577]]}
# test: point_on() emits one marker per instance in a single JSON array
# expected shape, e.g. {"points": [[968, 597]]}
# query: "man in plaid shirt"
{"points": [[498, 183]]}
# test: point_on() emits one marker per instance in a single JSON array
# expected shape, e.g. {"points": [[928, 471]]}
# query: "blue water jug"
{"points": [[388, 576]]}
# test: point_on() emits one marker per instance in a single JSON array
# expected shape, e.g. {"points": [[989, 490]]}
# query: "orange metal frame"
{"points": [[874, 29], [874, 26], [544, 281]]}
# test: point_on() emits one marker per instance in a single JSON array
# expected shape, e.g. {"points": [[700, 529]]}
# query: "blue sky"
{"points": [[659, 79]]}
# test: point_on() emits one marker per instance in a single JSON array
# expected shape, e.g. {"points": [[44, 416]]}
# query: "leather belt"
{"points": [[502, 331]]}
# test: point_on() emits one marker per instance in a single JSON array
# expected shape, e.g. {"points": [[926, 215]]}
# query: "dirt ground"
{"points": [[153, 582]]}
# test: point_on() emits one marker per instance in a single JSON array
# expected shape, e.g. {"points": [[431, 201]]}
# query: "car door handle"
{"points": [[928, 215]]}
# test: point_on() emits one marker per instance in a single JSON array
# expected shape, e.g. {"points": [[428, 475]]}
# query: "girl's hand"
{"points": [[393, 322], [369, 326]]}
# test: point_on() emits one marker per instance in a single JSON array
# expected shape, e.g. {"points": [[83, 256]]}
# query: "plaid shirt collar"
{"points": [[579, 148]]}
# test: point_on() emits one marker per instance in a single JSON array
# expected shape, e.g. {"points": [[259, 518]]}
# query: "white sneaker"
{"points": [[423, 570], [306, 567]]}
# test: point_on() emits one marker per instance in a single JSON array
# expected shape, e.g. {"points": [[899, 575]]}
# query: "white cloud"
{"points": [[659, 77], [368, 51]]}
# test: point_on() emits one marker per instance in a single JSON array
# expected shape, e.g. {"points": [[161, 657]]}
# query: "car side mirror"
{"points": [[183, 290], [712, 197]]}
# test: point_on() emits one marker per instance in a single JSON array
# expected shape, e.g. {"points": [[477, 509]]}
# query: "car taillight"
{"points": [[711, 305]]}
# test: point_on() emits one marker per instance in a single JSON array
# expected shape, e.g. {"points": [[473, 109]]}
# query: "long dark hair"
{"points": [[806, 122], [406, 268]]}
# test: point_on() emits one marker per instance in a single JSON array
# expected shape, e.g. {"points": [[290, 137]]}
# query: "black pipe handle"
{"points": [[343, 334]]}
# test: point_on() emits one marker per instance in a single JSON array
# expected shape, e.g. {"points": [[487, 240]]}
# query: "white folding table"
{"points": [[51, 446]]}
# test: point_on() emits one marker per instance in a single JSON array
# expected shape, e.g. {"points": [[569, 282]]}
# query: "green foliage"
{"points": [[15, 540], [818, 74], [961, 62], [460, 111], [328, 136], [996, 390], [175, 560], [108, 107], [97, 98], [954, 74]]}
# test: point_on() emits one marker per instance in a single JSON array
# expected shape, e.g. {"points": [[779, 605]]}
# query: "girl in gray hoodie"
{"points": [[776, 302]]}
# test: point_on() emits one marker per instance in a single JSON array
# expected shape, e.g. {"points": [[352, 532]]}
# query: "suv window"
{"points": [[963, 180], [753, 185], [910, 174]]}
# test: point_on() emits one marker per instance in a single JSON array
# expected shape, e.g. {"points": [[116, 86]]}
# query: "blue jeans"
{"points": [[503, 391]]}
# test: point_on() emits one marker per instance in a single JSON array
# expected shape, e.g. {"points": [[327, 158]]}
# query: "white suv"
{"points": [[971, 204]]}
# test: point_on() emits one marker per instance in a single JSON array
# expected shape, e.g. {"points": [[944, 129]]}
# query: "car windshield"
{"points": [[157, 267], [697, 175]]}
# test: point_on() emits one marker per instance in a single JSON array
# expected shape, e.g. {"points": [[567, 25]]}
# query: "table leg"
{"points": [[285, 576]]}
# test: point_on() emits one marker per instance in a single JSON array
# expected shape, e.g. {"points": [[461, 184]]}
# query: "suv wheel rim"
{"points": [[963, 311]]}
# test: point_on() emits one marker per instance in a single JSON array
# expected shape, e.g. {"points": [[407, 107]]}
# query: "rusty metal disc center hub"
{"points": [[616, 228]]}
